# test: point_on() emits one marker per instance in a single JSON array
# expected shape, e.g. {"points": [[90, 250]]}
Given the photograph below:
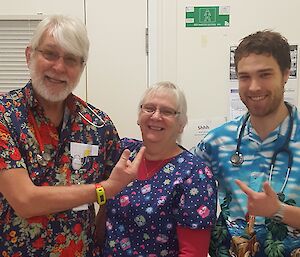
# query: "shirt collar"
{"points": [[282, 128], [30, 100]]}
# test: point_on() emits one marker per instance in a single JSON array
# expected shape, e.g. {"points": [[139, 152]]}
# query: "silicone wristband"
{"points": [[100, 193]]}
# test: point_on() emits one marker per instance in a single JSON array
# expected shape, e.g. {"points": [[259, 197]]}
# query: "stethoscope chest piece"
{"points": [[281, 196], [76, 162], [43, 158], [46, 156], [237, 159]]}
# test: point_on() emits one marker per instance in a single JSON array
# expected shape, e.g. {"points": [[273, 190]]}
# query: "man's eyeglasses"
{"points": [[69, 59], [163, 111]]}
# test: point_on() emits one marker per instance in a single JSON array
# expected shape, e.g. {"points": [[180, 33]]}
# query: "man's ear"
{"points": [[28, 52], [286, 75]]}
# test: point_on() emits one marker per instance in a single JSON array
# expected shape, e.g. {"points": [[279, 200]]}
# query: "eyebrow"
{"points": [[258, 71], [158, 106], [266, 70], [50, 45]]}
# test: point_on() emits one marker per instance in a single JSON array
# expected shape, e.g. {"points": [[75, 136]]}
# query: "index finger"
{"points": [[247, 190]]}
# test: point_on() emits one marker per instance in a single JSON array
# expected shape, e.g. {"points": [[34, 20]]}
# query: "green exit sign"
{"points": [[207, 16]]}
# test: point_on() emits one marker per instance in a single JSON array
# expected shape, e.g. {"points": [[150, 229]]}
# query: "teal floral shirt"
{"points": [[68, 233], [270, 238]]}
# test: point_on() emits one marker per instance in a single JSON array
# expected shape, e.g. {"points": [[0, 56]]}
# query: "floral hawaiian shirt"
{"points": [[231, 236], [142, 219], [68, 233]]}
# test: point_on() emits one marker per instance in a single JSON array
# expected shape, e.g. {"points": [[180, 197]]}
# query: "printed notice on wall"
{"points": [[237, 107], [207, 16], [196, 129]]}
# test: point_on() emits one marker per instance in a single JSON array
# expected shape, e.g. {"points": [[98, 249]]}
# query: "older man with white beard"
{"points": [[57, 152]]}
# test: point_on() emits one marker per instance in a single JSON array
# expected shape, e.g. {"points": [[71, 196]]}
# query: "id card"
{"points": [[83, 150]]}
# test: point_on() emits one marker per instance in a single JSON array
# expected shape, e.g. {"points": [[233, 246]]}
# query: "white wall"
{"points": [[117, 67], [197, 59]]}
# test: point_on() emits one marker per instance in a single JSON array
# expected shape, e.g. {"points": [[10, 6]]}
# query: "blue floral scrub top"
{"points": [[68, 233], [142, 219], [275, 239]]}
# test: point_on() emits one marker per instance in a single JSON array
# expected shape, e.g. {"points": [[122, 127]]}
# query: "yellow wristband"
{"points": [[100, 193]]}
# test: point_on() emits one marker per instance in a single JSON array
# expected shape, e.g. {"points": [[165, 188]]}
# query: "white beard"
{"points": [[48, 93]]}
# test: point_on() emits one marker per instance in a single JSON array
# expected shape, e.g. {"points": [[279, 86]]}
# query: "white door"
{"points": [[117, 65]]}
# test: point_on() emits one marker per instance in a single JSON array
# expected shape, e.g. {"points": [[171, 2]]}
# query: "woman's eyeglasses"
{"points": [[163, 111]]}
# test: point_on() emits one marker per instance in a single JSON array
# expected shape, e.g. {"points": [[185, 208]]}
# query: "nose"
{"points": [[254, 84], [156, 114], [59, 64]]}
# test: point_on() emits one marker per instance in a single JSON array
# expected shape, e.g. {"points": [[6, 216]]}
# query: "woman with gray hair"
{"points": [[170, 208]]}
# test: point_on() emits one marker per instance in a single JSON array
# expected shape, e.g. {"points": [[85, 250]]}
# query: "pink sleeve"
{"points": [[193, 242]]}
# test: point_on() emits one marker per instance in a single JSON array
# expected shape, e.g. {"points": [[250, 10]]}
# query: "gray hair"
{"points": [[171, 89], [69, 32]]}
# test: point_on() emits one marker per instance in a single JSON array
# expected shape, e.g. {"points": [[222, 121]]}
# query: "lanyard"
{"points": [[43, 157]]}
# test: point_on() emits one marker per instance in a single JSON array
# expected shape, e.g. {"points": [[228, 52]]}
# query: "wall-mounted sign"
{"points": [[196, 129], [207, 16]]}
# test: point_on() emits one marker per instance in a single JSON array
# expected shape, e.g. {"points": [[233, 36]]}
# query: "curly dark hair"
{"points": [[268, 43]]}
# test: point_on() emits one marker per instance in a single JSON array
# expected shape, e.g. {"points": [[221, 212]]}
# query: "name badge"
{"points": [[83, 150], [80, 151]]}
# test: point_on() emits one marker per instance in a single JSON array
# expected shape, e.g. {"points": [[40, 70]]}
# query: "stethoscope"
{"points": [[44, 156], [237, 158], [101, 122], [77, 162]]}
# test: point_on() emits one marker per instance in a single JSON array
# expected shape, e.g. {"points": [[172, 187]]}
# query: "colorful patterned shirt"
{"points": [[67, 233], [142, 219], [275, 239]]}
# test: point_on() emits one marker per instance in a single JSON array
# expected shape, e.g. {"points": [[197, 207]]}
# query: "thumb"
{"points": [[138, 158], [268, 189], [124, 158]]}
